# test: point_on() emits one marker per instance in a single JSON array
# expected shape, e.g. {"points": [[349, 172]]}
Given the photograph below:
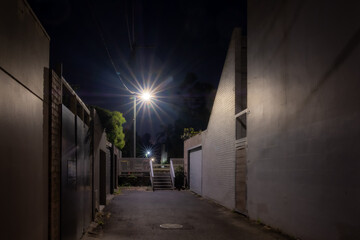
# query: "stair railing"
{"points": [[172, 173], [151, 174]]}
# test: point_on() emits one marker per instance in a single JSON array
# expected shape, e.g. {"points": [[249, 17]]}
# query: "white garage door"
{"points": [[195, 171]]}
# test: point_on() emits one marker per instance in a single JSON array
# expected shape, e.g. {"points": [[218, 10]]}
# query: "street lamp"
{"points": [[146, 97]]}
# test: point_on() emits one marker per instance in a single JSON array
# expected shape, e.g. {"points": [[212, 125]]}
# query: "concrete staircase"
{"points": [[162, 179]]}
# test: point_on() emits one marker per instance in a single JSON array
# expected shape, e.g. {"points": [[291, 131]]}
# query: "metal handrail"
{"points": [[172, 173], [151, 174]]}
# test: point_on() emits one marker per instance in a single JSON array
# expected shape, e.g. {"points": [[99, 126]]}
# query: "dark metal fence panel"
{"points": [[87, 177], [84, 174], [75, 176], [102, 185], [80, 175], [69, 208], [112, 173], [116, 170], [108, 170]]}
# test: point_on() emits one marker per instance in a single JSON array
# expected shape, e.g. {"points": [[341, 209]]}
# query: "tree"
{"points": [[112, 122], [189, 133], [196, 99]]}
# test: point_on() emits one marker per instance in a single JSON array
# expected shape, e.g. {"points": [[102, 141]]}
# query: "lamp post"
{"points": [[146, 97], [134, 126]]}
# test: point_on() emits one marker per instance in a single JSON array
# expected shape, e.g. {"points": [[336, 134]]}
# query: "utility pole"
{"points": [[134, 126]]}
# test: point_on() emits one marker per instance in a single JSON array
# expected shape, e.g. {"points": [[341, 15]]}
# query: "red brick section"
{"points": [[55, 155]]}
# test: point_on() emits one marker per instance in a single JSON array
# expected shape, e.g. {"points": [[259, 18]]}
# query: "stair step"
{"points": [[162, 179]]}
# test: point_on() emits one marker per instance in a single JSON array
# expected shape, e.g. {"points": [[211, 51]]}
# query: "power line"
{"points": [[107, 49], [128, 27]]}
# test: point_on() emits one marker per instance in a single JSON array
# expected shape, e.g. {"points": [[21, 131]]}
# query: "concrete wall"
{"points": [[24, 63], [303, 126], [219, 143]]}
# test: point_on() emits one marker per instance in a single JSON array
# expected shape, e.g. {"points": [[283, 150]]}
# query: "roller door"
{"points": [[195, 170]]}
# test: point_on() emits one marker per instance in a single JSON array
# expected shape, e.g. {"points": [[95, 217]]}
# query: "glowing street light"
{"points": [[145, 96], [147, 153]]}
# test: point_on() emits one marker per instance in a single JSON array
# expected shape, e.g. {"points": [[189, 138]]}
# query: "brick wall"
{"points": [[55, 154], [219, 141]]}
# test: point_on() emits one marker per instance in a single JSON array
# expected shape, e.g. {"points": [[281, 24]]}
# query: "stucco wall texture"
{"points": [[303, 126], [24, 58], [219, 141]]}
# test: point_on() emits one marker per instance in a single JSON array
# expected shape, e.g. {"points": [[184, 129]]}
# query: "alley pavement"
{"points": [[139, 214]]}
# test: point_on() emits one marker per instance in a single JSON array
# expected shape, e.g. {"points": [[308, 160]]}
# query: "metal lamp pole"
{"points": [[145, 96], [134, 126]]}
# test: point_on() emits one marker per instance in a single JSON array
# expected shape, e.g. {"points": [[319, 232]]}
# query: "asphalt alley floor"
{"points": [[139, 214]]}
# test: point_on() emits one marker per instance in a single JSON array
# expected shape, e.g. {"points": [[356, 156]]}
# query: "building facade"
{"points": [[282, 143], [303, 131]]}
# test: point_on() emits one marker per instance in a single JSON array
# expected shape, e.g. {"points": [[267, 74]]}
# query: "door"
{"points": [[240, 178], [195, 170]]}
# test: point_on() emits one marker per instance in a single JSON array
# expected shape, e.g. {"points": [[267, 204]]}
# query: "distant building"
{"points": [[282, 143]]}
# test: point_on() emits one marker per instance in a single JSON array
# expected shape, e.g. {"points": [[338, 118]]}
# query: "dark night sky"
{"points": [[179, 37]]}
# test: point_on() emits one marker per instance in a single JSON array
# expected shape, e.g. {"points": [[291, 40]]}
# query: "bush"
{"points": [[133, 181], [179, 177]]}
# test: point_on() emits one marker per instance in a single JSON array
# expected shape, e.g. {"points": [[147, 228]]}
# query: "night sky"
{"points": [[172, 39]]}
